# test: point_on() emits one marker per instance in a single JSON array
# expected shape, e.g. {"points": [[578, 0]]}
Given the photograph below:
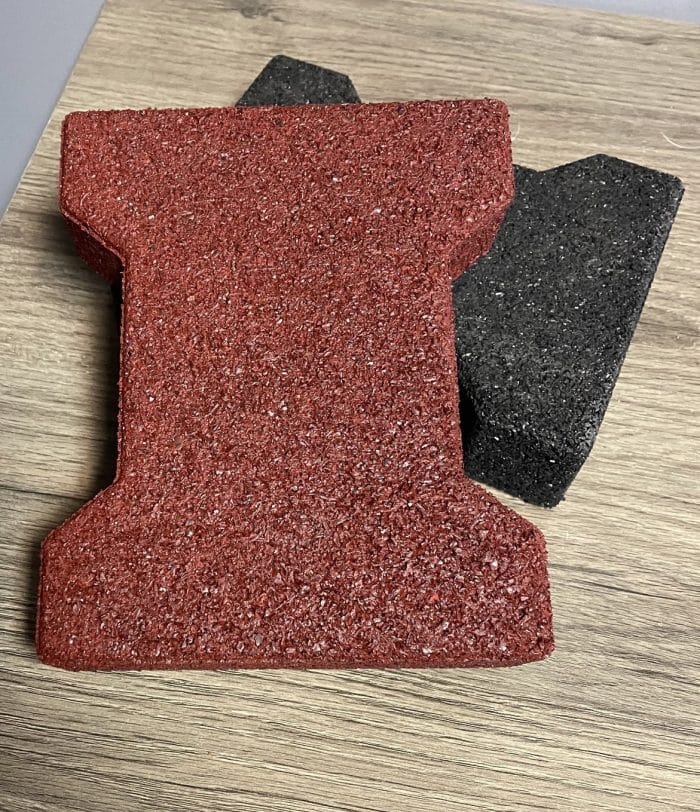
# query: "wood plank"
{"points": [[609, 722]]}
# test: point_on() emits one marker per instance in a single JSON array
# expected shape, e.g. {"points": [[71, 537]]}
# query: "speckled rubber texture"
{"points": [[283, 81], [290, 489], [286, 81], [543, 322]]}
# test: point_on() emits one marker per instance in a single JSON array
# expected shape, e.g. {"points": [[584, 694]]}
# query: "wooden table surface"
{"points": [[609, 722]]}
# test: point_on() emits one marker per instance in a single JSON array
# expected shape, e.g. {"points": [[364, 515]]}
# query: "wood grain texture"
{"points": [[610, 721]]}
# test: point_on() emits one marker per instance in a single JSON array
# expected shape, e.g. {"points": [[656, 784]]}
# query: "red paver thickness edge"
{"points": [[290, 488]]}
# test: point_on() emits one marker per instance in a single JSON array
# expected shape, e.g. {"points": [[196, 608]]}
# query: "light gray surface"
{"points": [[40, 41], [688, 10]]}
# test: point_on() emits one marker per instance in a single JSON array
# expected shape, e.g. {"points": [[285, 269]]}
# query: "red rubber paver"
{"points": [[290, 488]]}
